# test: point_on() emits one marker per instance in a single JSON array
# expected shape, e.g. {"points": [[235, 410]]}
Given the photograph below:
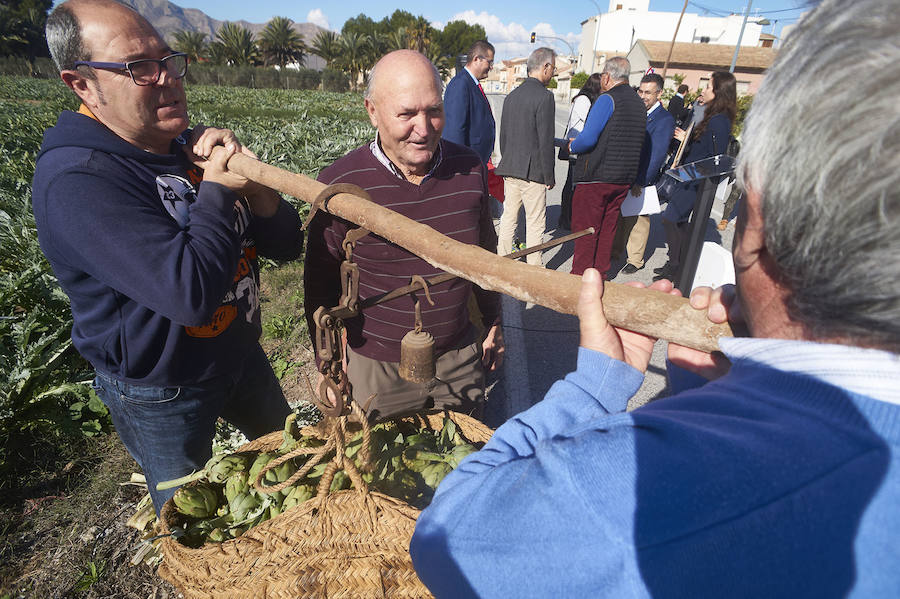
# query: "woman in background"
{"points": [[581, 105], [708, 138]]}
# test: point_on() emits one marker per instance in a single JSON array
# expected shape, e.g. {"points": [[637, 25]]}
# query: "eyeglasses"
{"points": [[145, 71], [484, 58]]}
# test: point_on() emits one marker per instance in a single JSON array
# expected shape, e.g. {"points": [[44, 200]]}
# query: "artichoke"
{"points": [[198, 501], [243, 504], [226, 466], [298, 495], [237, 484]]}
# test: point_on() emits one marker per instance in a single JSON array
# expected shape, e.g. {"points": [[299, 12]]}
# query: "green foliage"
{"points": [[743, 103], [44, 383], [91, 574], [552, 84], [326, 46], [255, 77], [22, 28], [238, 47], [280, 43], [192, 43], [578, 80], [334, 81], [457, 37]]}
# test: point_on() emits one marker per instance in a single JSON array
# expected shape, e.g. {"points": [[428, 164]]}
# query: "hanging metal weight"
{"points": [[417, 347]]}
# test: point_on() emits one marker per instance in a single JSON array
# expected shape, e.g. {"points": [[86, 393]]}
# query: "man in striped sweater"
{"points": [[409, 169]]}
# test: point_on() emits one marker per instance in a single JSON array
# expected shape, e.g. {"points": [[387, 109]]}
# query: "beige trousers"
{"points": [[636, 230], [533, 196]]}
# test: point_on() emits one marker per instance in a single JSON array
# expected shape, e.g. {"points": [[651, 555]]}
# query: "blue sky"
{"points": [[508, 22]]}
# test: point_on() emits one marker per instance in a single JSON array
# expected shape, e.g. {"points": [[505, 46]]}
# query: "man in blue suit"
{"points": [[660, 127], [469, 120]]}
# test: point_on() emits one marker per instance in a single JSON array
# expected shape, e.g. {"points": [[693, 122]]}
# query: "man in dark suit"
{"points": [[676, 105], [660, 127], [527, 153], [469, 120]]}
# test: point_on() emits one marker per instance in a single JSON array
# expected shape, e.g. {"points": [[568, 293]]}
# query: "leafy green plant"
{"points": [[91, 574], [44, 383]]}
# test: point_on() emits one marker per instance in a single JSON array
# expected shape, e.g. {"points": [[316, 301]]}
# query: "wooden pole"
{"points": [[644, 311], [672, 45]]}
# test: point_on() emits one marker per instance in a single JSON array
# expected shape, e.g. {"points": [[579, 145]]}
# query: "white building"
{"points": [[614, 33]]}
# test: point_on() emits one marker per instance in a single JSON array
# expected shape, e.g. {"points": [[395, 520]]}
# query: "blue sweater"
{"points": [[160, 269], [761, 484]]}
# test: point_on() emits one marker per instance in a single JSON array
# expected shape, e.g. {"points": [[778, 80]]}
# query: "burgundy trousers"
{"points": [[596, 205]]}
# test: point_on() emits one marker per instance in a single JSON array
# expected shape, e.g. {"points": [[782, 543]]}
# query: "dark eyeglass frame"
{"points": [[129, 66], [484, 58]]}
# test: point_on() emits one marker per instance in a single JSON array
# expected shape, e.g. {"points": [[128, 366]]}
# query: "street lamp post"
{"points": [[737, 48]]}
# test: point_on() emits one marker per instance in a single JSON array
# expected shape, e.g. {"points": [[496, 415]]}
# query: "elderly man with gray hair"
{"points": [[609, 157], [526, 154], [411, 170], [780, 475]]}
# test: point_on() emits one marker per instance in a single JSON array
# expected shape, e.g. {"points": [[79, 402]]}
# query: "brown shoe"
{"points": [[723, 224]]}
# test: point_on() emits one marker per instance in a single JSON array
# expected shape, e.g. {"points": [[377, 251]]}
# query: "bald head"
{"points": [[404, 103], [402, 63]]}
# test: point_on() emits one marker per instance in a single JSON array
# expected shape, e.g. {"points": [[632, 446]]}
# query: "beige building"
{"points": [[696, 61], [509, 74]]}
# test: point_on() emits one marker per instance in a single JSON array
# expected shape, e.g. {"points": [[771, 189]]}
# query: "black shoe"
{"points": [[630, 269], [667, 271]]}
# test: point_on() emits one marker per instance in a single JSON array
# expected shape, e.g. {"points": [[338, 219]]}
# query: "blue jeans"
{"points": [[169, 430]]}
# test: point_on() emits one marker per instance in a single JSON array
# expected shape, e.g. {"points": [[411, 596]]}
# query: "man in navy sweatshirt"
{"points": [[155, 243], [780, 475]]}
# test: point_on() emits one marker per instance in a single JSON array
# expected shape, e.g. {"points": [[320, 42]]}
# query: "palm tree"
{"points": [[419, 35], [376, 46], [397, 39], [280, 43], [442, 63], [239, 48], [326, 45], [215, 53], [192, 43], [352, 56]]}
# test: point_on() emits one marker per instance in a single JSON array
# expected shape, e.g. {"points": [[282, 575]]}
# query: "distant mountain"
{"points": [[169, 18]]}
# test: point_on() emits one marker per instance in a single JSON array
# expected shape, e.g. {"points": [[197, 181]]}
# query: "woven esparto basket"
{"points": [[348, 544]]}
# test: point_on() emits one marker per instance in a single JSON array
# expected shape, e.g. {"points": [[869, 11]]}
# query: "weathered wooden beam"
{"points": [[641, 310]]}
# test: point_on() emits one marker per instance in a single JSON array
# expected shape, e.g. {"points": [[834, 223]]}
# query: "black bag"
{"points": [[563, 152]]}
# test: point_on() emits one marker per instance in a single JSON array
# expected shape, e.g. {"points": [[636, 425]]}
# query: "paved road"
{"points": [[542, 344]]}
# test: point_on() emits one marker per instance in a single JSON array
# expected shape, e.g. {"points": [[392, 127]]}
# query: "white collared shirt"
{"points": [[652, 108], [375, 148], [474, 78], [870, 372]]}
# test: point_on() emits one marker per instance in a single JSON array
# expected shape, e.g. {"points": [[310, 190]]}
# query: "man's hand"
{"points": [[598, 335], [721, 305], [263, 201], [679, 134], [493, 349], [637, 189]]}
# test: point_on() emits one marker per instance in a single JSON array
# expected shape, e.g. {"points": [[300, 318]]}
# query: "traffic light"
{"points": [[532, 37]]}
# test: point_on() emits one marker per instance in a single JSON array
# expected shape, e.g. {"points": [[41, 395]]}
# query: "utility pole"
{"points": [[672, 45]]}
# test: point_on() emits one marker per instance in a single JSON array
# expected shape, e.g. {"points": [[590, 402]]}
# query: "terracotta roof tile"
{"points": [[750, 58]]}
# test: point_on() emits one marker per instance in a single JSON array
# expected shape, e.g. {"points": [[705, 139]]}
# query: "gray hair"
{"points": [[64, 38], [539, 58], [824, 162], [618, 68], [370, 80]]}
